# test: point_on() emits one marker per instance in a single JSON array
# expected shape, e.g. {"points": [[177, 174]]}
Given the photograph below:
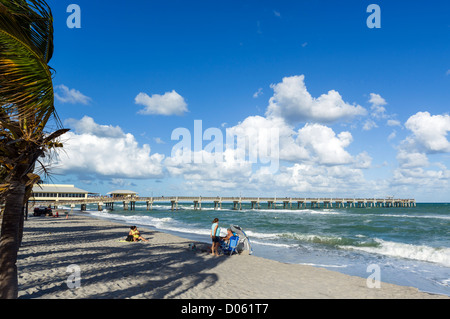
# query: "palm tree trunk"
{"points": [[27, 195], [21, 225], [9, 240]]}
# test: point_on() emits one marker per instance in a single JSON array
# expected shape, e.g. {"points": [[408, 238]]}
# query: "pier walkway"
{"points": [[129, 203]]}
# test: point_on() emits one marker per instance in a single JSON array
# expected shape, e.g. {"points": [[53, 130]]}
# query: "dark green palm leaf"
{"points": [[26, 47]]}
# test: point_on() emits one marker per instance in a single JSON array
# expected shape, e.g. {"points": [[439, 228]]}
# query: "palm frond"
{"points": [[26, 47]]}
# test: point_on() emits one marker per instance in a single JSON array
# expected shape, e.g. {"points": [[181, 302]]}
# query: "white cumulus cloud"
{"points": [[430, 131], [87, 125], [106, 151], [292, 102], [428, 138], [170, 103], [313, 143], [411, 159], [324, 145]]}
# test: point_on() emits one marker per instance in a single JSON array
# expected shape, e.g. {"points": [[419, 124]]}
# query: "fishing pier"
{"points": [[129, 203]]}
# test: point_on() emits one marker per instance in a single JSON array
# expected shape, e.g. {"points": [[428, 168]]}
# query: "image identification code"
{"points": [[234, 308]]}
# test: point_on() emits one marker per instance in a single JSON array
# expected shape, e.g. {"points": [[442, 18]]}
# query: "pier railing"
{"points": [[256, 202]]}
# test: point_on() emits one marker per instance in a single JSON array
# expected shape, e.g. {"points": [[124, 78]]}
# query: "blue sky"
{"points": [[361, 112]]}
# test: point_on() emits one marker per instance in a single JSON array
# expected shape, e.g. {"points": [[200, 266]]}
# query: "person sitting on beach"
{"points": [[135, 235], [229, 235]]}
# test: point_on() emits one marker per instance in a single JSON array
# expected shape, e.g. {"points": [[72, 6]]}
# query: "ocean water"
{"points": [[411, 246]]}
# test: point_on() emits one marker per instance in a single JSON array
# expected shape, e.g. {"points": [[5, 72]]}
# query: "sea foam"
{"points": [[408, 251]]}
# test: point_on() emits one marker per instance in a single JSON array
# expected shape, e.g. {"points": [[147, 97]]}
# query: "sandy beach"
{"points": [[165, 268]]}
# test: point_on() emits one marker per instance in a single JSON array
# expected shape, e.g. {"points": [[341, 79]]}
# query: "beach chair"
{"points": [[231, 248]]}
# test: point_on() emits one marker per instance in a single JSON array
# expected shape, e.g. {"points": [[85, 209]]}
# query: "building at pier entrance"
{"points": [[57, 192]]}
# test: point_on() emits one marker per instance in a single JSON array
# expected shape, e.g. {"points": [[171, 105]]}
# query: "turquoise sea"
{"points": [[411, 246]]}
